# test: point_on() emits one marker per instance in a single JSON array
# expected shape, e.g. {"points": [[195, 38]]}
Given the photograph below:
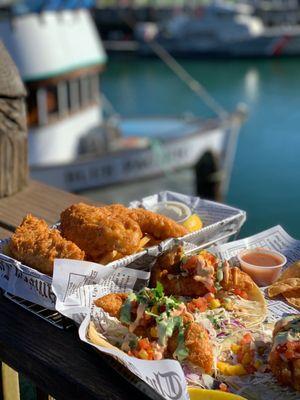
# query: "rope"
{"points": [[183, 75], [187, 78]]}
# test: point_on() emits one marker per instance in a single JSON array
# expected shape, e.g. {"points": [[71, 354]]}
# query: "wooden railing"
{"points": [[56, 361]]}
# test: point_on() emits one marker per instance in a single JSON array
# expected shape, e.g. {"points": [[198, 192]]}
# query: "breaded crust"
{"points": [[112, 303], [36, 245], [97, 231], [199, 346]]}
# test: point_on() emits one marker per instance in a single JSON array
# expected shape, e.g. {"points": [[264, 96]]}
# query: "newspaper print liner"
{"points": [[220, 222], [158, 379], [264, 386], [76, 302]]}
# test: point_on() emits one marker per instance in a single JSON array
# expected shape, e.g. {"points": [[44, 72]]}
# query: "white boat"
{"points": [[60, 58], [219, 29]]}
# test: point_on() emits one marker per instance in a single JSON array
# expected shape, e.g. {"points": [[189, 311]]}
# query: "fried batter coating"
{"points": [[167, 263], [167, 271], [112, 303], [36, 245], [284, 358], [97, 231], [237, 279], [156, 225], [286, 372], [182, 286], [181, 279], [198, 344]]}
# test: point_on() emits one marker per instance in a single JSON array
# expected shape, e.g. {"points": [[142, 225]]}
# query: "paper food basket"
{"points": [[220, 223]]}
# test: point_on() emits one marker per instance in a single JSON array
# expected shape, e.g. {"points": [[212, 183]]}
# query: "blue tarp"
{"points": [[38, 6]]}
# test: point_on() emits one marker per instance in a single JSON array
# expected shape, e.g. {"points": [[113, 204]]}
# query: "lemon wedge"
{"points": [[199, 394], [193, 223]]}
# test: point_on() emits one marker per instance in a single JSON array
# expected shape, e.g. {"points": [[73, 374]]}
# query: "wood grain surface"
{"points": [[38, 199], [56, 360], [4, 233]]}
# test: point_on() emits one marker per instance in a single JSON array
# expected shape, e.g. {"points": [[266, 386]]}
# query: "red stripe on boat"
{"points": [[280, 45]]}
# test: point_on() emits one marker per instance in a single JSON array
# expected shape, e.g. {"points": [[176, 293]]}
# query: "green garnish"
{"points": [[181, 352], [125, 312], [133, 343], [220, 275]]}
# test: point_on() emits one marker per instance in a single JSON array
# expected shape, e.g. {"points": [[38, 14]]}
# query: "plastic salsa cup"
{"points": [[263, 265]]}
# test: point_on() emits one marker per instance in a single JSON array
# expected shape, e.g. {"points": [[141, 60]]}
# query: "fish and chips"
{"points": [[98, 234]]}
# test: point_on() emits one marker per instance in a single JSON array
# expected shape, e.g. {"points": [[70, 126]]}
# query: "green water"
{"points": [[266, 175]]}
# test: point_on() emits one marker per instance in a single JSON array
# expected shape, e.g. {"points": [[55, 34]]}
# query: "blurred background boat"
{"points": [[73, 143], [220, 29], [217, 28]]}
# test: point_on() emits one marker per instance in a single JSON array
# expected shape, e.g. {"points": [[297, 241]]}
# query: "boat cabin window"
{"points": [[52, 100], [32, 110], [74, 102], [49, 102]]}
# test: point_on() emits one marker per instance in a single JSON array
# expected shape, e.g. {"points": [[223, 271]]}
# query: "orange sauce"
{"points": [[263, 266], [262, 259]]}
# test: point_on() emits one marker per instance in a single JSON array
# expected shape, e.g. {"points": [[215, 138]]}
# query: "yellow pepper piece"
{"points": [[231, 370], [143, 354], [258, 364], [214, 303], [235, 347], [193, 223], [246, 359], [153, 332]]}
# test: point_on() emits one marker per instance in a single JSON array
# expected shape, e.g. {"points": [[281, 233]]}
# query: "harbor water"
{"points": [[265, 179]]}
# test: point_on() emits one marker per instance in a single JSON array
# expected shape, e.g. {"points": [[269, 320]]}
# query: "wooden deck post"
{"points": [[13, 128], [10, 383]]}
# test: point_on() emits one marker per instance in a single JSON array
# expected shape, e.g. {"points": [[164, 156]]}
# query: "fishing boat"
{"points": [[72, 144], [219, 29]]}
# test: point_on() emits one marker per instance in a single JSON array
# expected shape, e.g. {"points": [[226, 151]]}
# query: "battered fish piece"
{"points": [[156, 225], [112, 303], [197, 341], [98, 231], [36, 245], [284, 357], [163, 326], [191, 276], [196, 275]]}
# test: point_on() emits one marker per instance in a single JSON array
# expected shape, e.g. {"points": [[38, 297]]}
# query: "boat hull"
{"points": [[129, 165], [271, 44]]}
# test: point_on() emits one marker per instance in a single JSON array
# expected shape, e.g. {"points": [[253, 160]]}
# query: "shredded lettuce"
{"points": [[181, 352]]}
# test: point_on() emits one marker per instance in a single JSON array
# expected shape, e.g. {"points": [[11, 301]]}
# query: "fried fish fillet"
{"points": [[196, 338], [36, 245], [284, 358], [105, 231], [98, 231], [112, 303], [158, 226], [198, 343], [176, 281]]}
